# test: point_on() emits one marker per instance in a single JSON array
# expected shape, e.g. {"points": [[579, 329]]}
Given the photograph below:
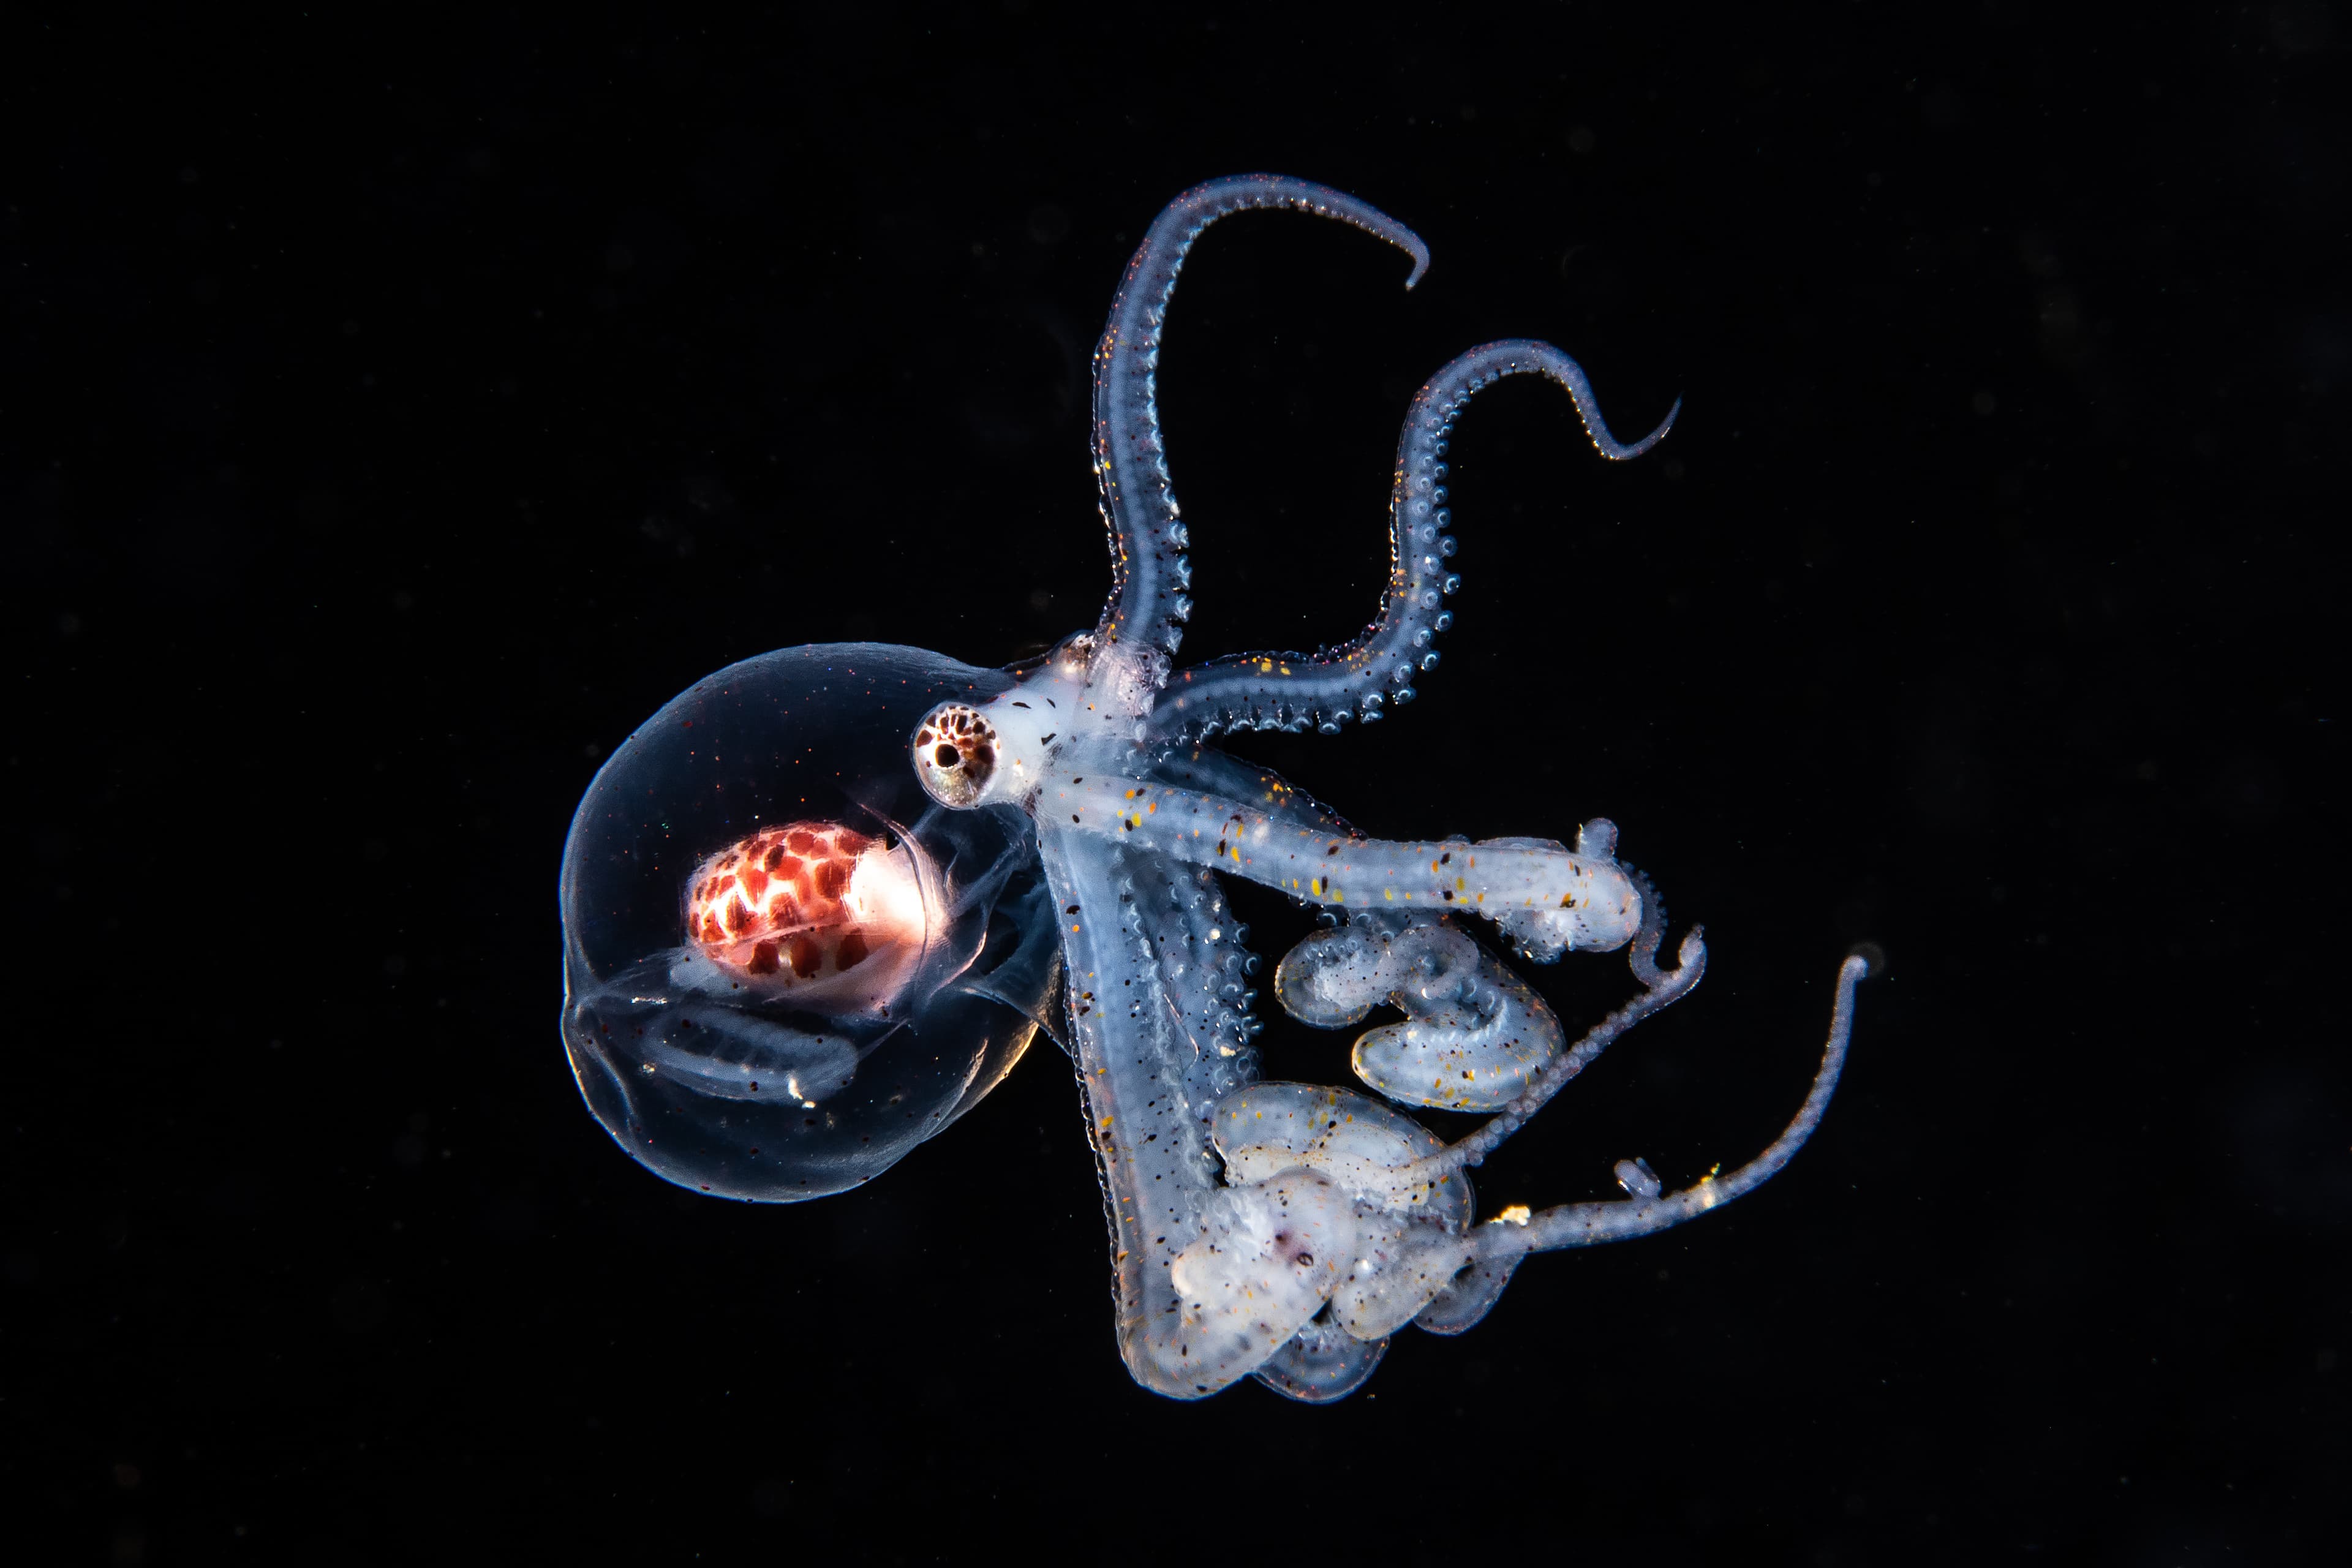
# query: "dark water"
{"points": [[392, 417]]}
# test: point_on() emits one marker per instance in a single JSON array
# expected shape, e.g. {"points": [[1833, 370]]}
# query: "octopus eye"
{"points": [[955, 755]]}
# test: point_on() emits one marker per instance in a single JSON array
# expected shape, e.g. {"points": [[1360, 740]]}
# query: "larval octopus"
{"points": [[848, 985]]}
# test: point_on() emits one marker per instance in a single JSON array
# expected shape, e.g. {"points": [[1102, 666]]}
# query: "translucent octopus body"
{"points": [[1279, 1230]]}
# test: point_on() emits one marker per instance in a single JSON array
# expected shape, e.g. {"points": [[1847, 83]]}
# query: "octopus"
{"points": [[1040, 848]]}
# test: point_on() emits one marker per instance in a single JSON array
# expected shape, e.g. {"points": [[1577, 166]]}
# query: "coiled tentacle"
{"points": [[1661, 988], [1147, 604], [1474, 1035], [1321, 1362], [1362, 679]]}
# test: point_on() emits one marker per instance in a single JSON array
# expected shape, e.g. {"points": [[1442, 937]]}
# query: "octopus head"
{"points": [[955, 755]]}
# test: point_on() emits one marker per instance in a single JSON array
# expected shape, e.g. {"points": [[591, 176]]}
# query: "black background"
{"points": [[396, 415]]}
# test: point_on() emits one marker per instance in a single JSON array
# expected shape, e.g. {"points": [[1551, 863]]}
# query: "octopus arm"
{"points": [[1362, 679], [1203, 770], [1204, 980], [1548, 897], [1147, 605], [1651, 1210], [1209, 1281]]}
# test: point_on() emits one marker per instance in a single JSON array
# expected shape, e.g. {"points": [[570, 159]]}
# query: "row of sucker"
{"points": [[1362, 680], [1147, 1152], [1211, 1281], [1205, 973], [1150, 923], [1149, 572]]}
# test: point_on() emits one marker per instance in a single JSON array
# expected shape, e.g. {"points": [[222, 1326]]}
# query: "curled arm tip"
{"points": [[1147, 604], [1616, 452], [1362, 680], [1607, 446]]}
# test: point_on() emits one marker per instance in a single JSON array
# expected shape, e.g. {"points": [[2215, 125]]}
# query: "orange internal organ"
{"points": [[794, 906]]}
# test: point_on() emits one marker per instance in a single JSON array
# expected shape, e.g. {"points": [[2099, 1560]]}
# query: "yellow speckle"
{"points": [[1517, 1214]]}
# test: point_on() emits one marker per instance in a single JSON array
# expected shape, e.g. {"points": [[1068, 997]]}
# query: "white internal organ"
{"points": [[1357, 1142], [1398, 1269], [814, 913], [1267, 1256], [755, 1059], [1405, 1239], [1475, 1037]]}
